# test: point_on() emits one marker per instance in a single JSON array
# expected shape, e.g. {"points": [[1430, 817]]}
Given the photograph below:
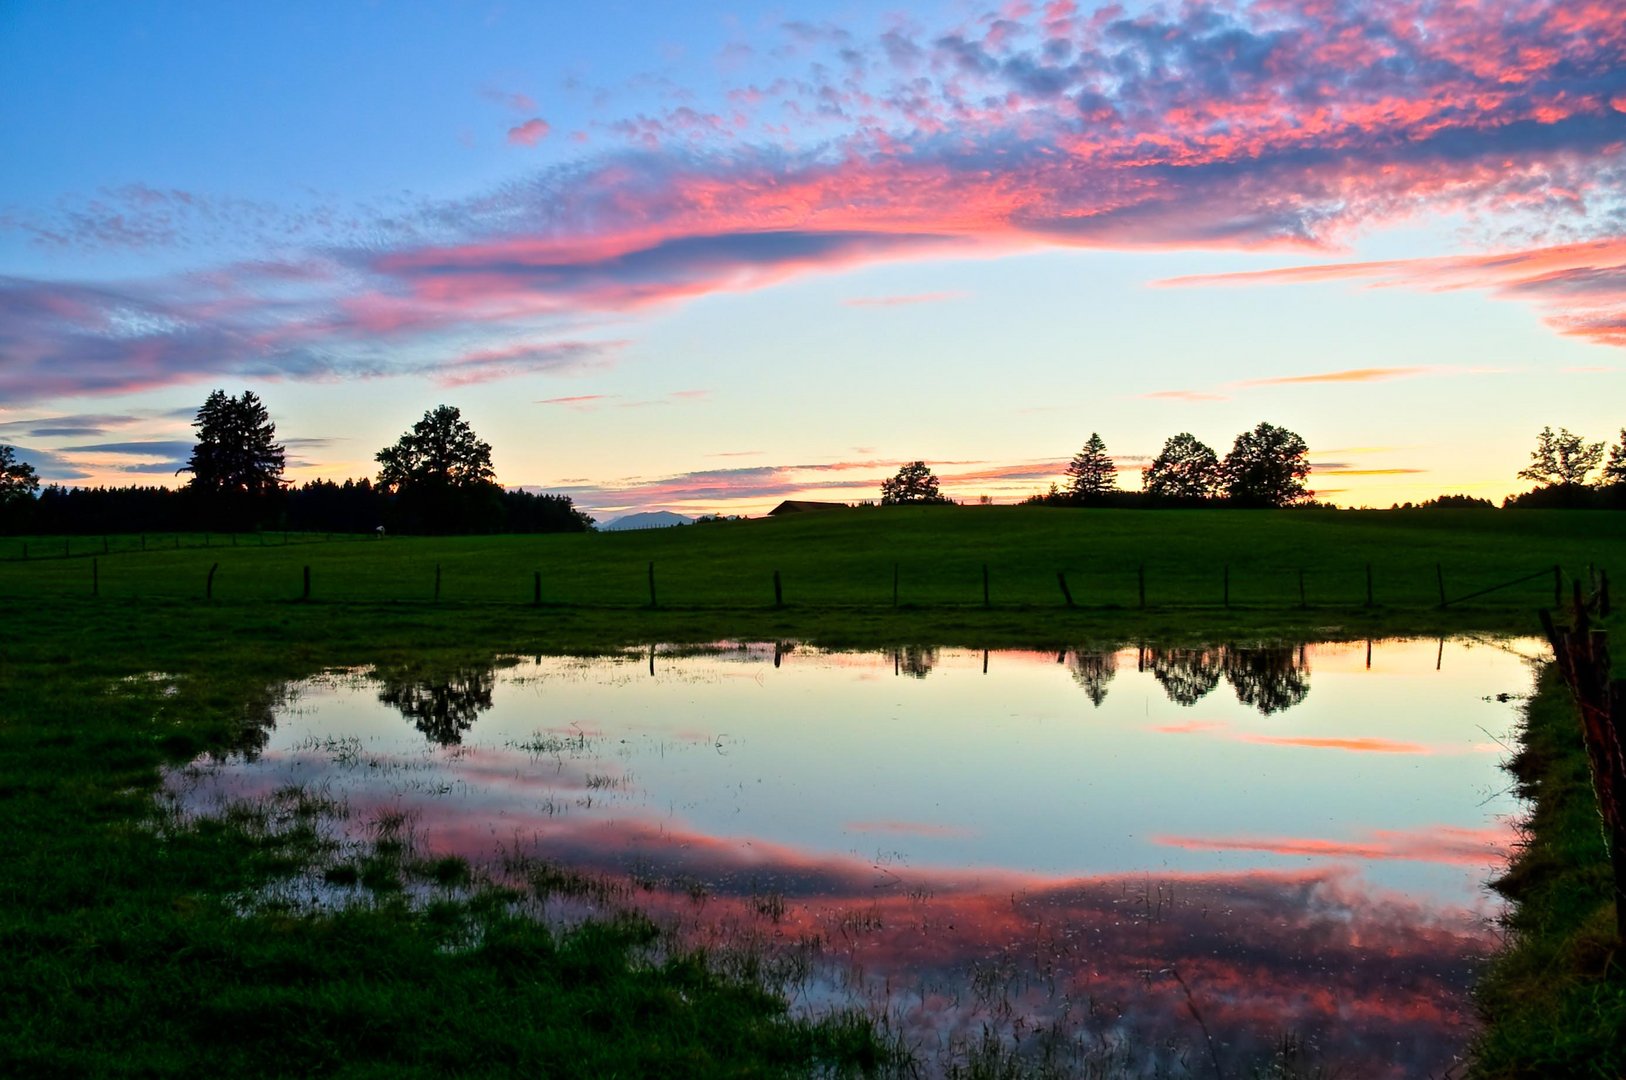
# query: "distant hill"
{"points": [[650, 519]]}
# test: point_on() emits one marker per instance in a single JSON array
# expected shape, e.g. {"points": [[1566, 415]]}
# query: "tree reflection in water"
{"points": [[1186, 675], [1092, 671], [915, 661], [441, 704], [1269, 678]]}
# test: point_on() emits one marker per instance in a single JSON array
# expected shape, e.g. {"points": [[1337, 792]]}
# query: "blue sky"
{"points": [[704, 257]]}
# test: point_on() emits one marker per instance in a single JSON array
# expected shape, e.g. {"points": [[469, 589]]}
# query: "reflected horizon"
{"points": [[1095, 832]]}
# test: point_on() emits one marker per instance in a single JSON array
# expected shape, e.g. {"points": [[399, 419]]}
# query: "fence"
{"points": [[516, 571], [1581, 651]]}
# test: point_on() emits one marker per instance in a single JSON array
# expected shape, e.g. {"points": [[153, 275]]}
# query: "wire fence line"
{"points": [[702, 585]]}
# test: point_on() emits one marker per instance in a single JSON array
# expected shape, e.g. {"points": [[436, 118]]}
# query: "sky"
{"points": [[705, 257]]}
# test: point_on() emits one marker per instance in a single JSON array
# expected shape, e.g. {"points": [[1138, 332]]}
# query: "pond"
{"points": [[1192, 860]]}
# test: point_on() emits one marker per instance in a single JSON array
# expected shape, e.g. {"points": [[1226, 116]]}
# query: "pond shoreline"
{"points": [[114, 922], [1554, 1000]]}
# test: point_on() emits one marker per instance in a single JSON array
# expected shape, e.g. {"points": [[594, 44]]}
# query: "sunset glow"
{"points": [[707, 262]]}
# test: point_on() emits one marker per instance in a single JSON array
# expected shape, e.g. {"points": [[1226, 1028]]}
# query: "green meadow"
{"points": [[131, 947]]}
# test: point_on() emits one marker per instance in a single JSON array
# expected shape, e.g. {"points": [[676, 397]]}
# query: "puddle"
{"points": [[1196, 853]]}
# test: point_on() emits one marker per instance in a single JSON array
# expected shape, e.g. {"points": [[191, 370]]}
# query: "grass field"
{"points": [[1556, 998], [127, 948], [1126, 572]]}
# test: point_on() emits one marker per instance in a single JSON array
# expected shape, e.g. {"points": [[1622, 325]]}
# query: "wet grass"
{"points": [[1555, 999], [139, 944], [838, 570]]}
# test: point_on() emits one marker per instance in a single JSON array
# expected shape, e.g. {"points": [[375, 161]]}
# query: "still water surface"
{"points": [[1198, 853]]}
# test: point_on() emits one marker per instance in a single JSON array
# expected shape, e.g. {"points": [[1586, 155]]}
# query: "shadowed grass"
{"points": [[1555, 1000], [127, 945]]}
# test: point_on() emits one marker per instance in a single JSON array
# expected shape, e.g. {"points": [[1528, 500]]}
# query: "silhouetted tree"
{"points": [[1267, 467], [1186, 675], [18, 483], [1614, 471], [1091, 474], [916, 661], [1186, 471], [443, 705], [1269, 679], [914, 483], [1092, 671], [1563, 459], [237, 463], [442, 475]]}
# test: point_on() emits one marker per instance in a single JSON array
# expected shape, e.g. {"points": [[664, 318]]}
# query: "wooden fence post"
{"points": [[1067, 594], [778, 592], [209, 583]]}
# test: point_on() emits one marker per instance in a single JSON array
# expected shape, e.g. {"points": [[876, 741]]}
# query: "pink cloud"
{"points": [[578, 400], [1246, 127], [1185, 395], [530, 132], [1438, 844], [1351, 375], [1580, 288]]}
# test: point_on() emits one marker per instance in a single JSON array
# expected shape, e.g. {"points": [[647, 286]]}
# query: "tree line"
{"points": [[436, 478], [1267, 468]]}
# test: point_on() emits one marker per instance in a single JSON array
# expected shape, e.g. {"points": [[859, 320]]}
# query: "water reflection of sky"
{"points": [[1288, 840]]}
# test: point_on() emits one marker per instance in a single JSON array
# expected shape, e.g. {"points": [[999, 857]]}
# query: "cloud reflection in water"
{"points": [[957, 907]]}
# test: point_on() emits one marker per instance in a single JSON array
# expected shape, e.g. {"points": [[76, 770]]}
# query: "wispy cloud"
{"points": [[1580, 288], [1349, 376], [1254, 127], [1437, 844], [1352, 744], [1225, 391]]}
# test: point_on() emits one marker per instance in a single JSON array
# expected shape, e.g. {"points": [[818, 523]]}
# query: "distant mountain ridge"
{"points": [[648, 519]]}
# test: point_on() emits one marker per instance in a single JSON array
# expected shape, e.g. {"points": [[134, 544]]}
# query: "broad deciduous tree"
{"points": [[1186, 471], [441, 450], [1562, 459], [1267, 467], [441, 472], [1614, 470], [914, 483], [1091, 474]]}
